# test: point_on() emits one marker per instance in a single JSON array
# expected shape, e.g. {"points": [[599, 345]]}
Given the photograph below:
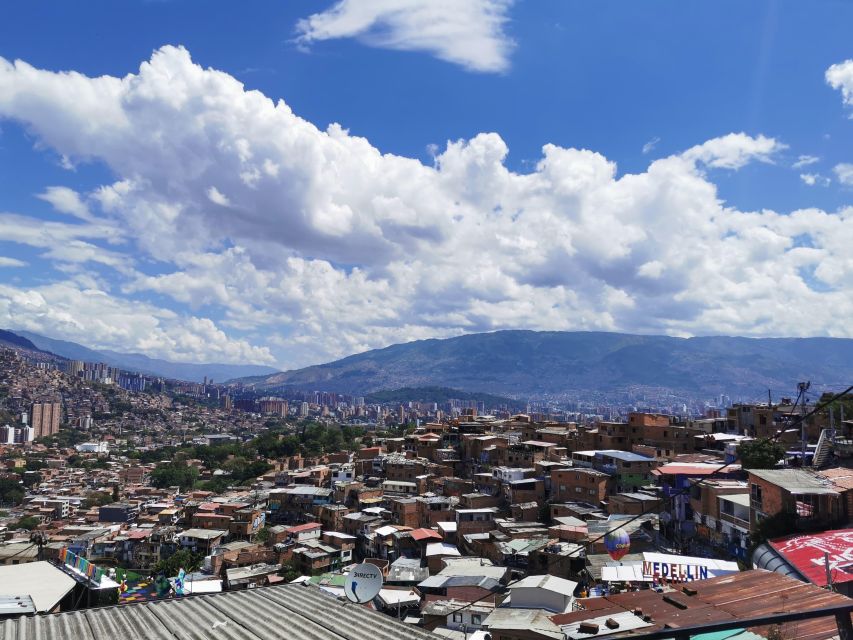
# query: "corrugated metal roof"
{"points": [[794, 480], [733, 597], [295, 612], [806, 553]]}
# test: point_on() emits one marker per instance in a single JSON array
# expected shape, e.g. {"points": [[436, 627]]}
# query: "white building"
{"points": [[343, 473], [510, 474], [542, 592], [92, 447]]}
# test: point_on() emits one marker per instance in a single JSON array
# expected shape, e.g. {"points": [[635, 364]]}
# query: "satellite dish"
{"points": [[363, 583]]}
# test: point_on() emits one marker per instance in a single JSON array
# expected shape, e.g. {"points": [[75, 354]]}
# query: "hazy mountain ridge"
{"points": [[438, 395], [140, 363], [531, 363], [15, 341]]}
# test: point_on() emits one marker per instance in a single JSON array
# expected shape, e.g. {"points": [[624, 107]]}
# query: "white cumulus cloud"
{"points": [[735, 150], [805, 161], [465, 32], [66, 200], [93, 317], [328, 246], [840, 76], [812, 179], [844, 173]]}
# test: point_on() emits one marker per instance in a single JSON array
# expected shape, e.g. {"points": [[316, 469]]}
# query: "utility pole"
{"points": [[802, 388]]}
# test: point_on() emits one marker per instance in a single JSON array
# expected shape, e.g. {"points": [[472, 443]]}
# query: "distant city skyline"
{"points": [[305, 181]]}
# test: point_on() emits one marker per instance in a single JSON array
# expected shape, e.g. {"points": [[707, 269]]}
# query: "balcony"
{"points": [[735, 520]]}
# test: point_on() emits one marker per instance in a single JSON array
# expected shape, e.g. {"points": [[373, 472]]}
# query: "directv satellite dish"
{"points": [[363, 583]]}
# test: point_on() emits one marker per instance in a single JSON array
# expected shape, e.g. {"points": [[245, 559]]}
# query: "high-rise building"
{"points": [[273, 406], [132, 381], [44, 418], [16, 435], [74, 368], [303, 409]]}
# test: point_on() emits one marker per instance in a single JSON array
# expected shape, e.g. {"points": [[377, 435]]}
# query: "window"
{"points": [[457, 617], [755, 501], [476, 618], [806, 506]]}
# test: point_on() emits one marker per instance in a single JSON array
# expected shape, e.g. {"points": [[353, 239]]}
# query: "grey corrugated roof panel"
{"points": [[131, 621], [347, 620], [253, 616], [70, 626], [294, 612], [766, 557]]}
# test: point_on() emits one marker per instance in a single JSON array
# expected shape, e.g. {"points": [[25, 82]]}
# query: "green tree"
{"points": [[176, 473], [760, 454], [31, 479], [271, 445], [217, 484], [776, 526], [288, 572], [11, 491], [27, 522], [34, 464], [263, 535], [96, 499], [183, 559]]}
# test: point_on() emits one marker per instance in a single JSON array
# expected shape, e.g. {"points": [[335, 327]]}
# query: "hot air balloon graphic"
{"points": [[617, 543]]}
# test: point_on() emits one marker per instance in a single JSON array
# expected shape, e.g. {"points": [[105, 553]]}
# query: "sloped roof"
{"points": [[805, 553], [43, 582], [509, 618], [795, 481], [548, 583], [424, 534], [293, 611]]}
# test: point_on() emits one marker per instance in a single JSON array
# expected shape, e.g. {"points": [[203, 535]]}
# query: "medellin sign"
{"points": [[674, 571]]}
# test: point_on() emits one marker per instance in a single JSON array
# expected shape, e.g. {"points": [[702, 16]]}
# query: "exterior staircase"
{"points": [[824, 448]]}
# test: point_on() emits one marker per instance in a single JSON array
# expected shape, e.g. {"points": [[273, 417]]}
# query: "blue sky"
{"points": [[346, 249]]}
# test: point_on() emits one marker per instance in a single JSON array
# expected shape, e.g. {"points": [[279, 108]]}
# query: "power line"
{"points": [[671, 498]]}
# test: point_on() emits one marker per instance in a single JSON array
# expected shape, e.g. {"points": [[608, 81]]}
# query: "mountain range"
{"points": [[547, 363], [133, 361]]}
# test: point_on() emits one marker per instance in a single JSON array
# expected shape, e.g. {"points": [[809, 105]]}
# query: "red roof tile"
{"points": [[425, 534]]}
